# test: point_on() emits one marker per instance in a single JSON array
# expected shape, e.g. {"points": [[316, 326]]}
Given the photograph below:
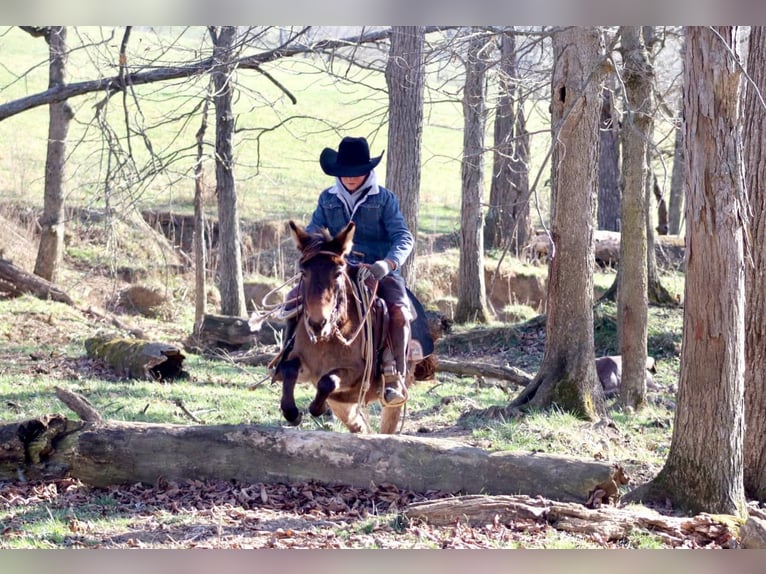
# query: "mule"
{"points": [[332, 347]]}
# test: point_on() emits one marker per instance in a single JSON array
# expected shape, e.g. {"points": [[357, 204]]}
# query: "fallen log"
{"points": [[16, 281], [137, 358], [110, 453], [479, 369], [607, 523]]}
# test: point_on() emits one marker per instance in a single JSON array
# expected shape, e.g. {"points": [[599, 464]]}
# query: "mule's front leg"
{"points": [[325, 386], [289, 370]]}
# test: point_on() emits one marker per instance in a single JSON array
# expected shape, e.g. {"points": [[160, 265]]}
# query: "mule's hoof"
{"points": [[393, 397], [316, 412], [293, 418]]}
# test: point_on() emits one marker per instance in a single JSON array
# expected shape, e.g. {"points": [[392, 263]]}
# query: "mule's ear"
{"points": [[345, 239], [300, 237]]}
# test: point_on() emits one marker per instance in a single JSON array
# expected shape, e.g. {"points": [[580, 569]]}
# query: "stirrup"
{"points": [[394, 390]]}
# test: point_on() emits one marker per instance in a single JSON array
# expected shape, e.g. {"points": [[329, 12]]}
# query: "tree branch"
{"points": [[115, 84]]}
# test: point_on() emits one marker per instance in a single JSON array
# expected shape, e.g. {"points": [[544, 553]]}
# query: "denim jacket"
{"points": [[381, 232]]}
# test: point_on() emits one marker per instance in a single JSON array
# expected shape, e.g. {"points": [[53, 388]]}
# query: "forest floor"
{"points": [[229, 514]]}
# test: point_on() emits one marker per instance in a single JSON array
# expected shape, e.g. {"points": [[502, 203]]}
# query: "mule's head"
{"points": [[323, 270]]}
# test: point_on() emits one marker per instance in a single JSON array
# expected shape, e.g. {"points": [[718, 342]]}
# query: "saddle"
{"points": [[421, 342]]}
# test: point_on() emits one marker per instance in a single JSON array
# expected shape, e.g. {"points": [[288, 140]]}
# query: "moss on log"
{"points": [[137, 358]]}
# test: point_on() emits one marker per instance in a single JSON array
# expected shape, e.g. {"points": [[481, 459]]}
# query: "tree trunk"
{"points": [[518, 224], [51, 249], [229, 241], [200, 251], [405, 78], [567, 376], [755, 297], [507, 224], [656, 292], [632, 312], [676, 198], [500, 187], [609, 200], [704, 468], [676, 203], [113, 453], [662, 208], [472, 296]]}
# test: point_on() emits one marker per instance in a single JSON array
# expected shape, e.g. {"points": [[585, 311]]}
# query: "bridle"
{"points": [[363, 307]]}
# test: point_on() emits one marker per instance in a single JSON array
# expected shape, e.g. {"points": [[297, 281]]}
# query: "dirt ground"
{"points": [[218, 514]]}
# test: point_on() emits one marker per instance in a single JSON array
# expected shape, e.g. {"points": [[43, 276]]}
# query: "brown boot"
{"points": [[395, 375]]}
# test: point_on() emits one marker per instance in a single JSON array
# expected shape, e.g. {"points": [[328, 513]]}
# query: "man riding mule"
{"points": [[336, 343], [367, 218], [381, 241]]}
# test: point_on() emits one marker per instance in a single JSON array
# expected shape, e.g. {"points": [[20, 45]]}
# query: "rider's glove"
{"points": [[380, 269]]}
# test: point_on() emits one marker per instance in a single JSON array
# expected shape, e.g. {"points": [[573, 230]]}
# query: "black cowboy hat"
{"points": [[351, 159]]}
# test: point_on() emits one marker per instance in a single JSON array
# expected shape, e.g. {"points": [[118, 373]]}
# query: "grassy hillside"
{"points": [[277, 142]]}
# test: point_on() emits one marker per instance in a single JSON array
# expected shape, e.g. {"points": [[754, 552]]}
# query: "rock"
{"points": [[753, 533]]}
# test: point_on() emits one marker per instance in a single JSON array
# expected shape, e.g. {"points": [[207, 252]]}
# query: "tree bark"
{"points": [[609, 200], [472, 296], [676, 203], [632, 301], [704, 468], [51, 248], [656, 292], [200, 249], [114, 453], [567, 375], [755, 298], [507, 225], [405, 78], [230, 241]]}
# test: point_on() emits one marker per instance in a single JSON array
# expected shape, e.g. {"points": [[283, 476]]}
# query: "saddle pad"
{"points": [[420, 329]]}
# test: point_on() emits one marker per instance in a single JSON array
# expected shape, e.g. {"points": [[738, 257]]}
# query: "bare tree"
{"points": [[638, 79], [567, 375], [507, 224], [405, 78], [472, 296], [52, 225], [755, 298], [676, 201], [656, 291], [704, 468], [230, 244], [200, 249], [609, 165]]}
